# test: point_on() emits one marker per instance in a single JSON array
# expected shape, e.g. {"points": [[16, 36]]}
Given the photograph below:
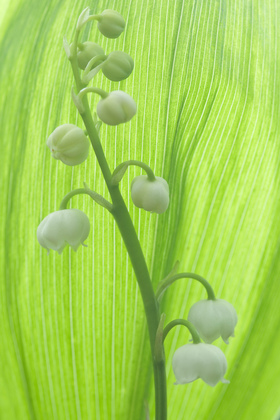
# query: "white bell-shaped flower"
{"points": [[205, 361], [149, 195], [117, 108], [213, 319], [69, 144], [62, 227]]}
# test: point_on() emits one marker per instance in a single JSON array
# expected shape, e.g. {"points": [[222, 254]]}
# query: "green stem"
{"points": [[163, 286], [95, 60], [96, 197], [185, 323], [94, 17], [121, 169], [134, 250], [99, 91]]}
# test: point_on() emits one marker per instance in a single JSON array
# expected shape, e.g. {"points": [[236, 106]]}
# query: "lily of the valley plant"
{"points": [[208, 319]]}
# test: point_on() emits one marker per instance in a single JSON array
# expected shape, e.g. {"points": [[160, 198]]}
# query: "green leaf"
{"points": [[206, 83]]}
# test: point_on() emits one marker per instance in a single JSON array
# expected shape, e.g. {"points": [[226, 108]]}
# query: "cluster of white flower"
{"points": [[212, 319]]}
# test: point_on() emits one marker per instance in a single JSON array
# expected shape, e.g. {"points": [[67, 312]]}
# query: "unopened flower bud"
{"points": [[213, 319], [205, 361], [70, 226], [118, 66], [86, 52], [111, 24], [149, 195], [117, 108], [69, 144]]}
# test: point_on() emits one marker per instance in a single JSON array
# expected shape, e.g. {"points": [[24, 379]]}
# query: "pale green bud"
{"points": [[110, 23], [205, 361], [117, 108], [70, 226], [69, 144], [213, 319], [118, 66], [86, 52], [149, 195]]}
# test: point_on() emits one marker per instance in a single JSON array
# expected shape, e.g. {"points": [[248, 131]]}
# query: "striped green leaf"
{"points": [[206, 82]]}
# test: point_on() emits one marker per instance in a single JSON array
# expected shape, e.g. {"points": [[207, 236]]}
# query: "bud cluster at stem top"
{"points": [[117, 107]]}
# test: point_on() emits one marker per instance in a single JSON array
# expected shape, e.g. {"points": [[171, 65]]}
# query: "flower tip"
{"points": [[75, 247]]}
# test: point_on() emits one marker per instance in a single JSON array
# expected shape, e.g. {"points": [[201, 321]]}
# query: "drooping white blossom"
{"points": [[62, 227], [213, 319], [205, 361], [150, 195]]}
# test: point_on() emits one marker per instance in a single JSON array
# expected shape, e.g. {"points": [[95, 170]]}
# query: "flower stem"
{"points": [[163, 286], [99, 91], [121, 169], [185, 323], [96, 197], [123, 220]]}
